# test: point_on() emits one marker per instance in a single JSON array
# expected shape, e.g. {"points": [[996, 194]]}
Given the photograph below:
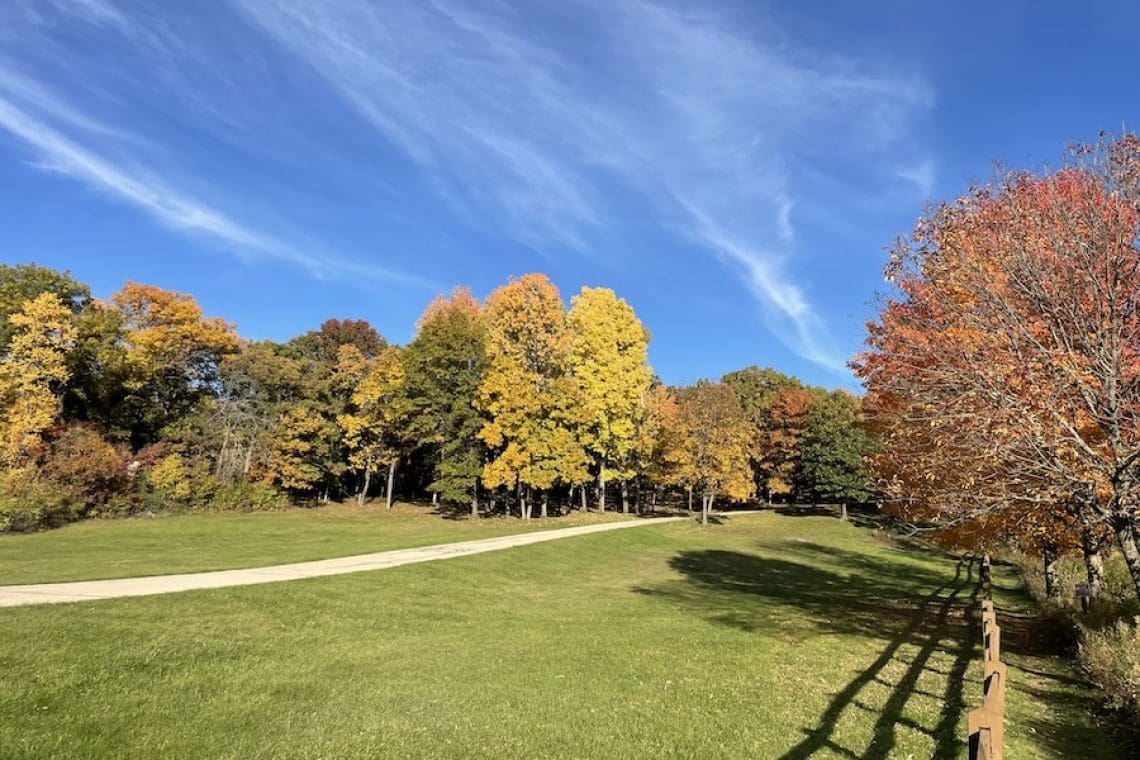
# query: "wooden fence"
{"points": [[985, 722]]}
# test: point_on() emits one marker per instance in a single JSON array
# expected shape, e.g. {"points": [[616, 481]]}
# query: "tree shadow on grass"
{"points": [[879, 599]]}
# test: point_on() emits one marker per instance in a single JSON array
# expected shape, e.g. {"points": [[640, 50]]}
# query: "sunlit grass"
{"points": [[192, 543], [763, 637]]}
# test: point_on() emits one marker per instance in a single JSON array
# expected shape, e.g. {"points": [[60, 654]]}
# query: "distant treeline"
{"points": [[515, 405]]}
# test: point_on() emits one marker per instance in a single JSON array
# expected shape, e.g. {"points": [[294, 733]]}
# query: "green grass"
{"points": [[764, 637], [97, 549]]}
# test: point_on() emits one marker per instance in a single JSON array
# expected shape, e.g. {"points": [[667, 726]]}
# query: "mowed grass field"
{"points": [[97, 549], [765, 636]]}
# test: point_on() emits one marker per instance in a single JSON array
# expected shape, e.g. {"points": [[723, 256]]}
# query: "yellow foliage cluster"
{"points": [[168, 327], [32, 374]]}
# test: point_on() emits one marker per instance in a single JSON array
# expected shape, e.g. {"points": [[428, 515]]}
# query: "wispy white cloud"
{"points": [[38, 118], [921, 175], [705, 119]]}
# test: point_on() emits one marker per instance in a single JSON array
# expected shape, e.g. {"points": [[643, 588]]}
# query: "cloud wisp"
{"points": [[61, 137], [704, 121]]}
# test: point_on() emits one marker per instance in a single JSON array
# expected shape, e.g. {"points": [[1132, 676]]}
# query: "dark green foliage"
{"points": [[832, 451], [756, 387], [443, 367]]}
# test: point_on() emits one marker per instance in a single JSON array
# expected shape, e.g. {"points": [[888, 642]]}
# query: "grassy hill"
{"points": [[765, 636]]}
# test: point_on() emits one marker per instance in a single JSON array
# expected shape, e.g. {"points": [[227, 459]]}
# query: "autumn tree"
{"points": [[33, 371], [375, 426], [444, 364], [669, 463], [653, 440], [532, 401], [757, 387], [256, 383], [779, 440], [172, 356], [609, 361], [716, 435], [323, 344], [1017, 323], [332, 360], [295, 451]]}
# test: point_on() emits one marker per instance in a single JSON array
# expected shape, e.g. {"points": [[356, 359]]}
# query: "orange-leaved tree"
{"points": [[1016, 343]]}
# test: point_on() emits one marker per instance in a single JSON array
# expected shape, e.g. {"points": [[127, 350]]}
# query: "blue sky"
{"points": [[733, 169]]}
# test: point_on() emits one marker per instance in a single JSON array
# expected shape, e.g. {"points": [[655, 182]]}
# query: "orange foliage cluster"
{"points": [[1004, 380]]}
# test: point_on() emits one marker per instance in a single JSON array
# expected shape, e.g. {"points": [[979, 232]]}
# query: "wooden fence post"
{"points": [[986, 723], [987, 581]]}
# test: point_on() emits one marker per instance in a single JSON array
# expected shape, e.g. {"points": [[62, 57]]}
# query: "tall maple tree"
{"points": [[608, 359], [532, 401]]}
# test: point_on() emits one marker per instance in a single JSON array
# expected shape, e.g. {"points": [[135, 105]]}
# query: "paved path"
{"points": [[79, 591]]}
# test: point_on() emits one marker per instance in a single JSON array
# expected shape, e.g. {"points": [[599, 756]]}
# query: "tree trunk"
{"points": [[1094, 562], [364, 488], [704, 509], [602, 487], [585, 503], [542, 512], [391, 481], [624, 498], [843, 511], [1126, 537], [434, 498], [1052, 578], [220, 462], [653, 501], [690, 491], [474, 505]]}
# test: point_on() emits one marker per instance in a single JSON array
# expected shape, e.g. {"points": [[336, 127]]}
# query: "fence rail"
{"points": [[986, 722]]}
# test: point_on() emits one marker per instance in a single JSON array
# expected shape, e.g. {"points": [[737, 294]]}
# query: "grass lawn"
{"points": [[766, 636], [96, 549]]}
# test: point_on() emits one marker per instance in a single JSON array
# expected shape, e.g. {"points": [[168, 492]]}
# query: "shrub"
{"points": [[1112, 657], [28, 502], [175, 483], [1108, 635], [248, 497], [89, 471]]}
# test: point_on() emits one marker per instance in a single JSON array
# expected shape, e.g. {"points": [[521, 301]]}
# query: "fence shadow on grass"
{"points": [[878, 599]]}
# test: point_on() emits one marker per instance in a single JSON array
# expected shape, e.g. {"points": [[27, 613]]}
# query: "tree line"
{"points": [[1003, 376], [516, 405]]}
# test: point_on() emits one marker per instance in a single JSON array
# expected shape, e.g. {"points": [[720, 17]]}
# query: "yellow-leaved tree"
{"points": [[164, 327], [609, 361], [31, 375], [532, 401], [717, 437], [172, 354], [378, 416]]}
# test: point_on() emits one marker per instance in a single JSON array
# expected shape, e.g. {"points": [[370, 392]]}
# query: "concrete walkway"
{"points": [[79, 591]]}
